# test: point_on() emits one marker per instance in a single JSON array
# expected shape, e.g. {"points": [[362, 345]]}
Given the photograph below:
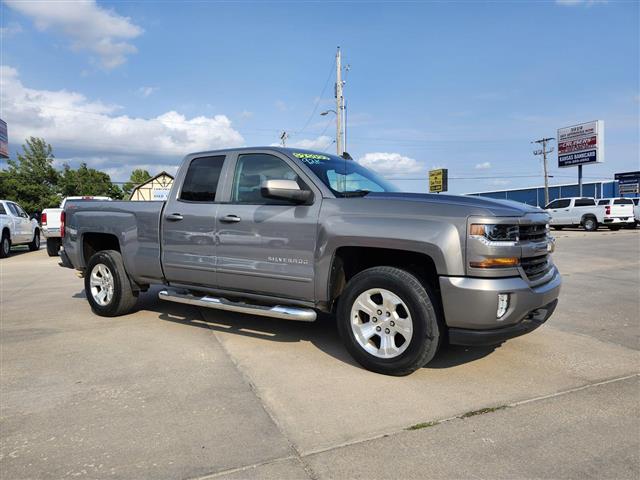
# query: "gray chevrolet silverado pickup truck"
{"points": [[287, 233]]}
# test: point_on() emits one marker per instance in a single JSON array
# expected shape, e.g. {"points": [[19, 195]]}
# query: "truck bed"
{"points": [[136, 226]]}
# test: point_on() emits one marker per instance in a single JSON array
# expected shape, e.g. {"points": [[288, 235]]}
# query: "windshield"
{"points": [[344, 177]]}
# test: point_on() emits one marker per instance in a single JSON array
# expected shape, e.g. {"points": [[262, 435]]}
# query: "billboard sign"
{"points": [[438, 180], [628, 182], [581, 144], [4, 140]]}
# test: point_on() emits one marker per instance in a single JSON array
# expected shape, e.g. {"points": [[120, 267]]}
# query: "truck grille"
{"points": [[535, 267], [533, 233]]}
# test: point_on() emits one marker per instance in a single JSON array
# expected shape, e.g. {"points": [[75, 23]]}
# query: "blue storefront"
{"points": [[535, 195]]}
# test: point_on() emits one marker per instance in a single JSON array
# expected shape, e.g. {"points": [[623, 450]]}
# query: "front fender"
{"points": [[438, 239]]}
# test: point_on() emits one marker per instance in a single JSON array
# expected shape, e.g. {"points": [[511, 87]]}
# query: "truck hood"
{"points": [[498, 208]]}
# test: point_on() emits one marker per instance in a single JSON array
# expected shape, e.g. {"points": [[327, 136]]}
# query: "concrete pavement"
{"points": [[176, 392]]}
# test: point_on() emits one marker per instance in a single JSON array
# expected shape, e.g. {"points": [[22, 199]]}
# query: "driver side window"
{"points": [[253, 169]]}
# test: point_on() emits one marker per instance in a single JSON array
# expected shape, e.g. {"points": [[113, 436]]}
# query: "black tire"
{"points": [[590, 223], [123, 299], [5, 245], [631, 226], [53, 246], [557, 228], [35, 243], [421, 304], [614, 228]]}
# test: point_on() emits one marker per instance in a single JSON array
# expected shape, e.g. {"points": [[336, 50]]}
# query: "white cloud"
{"points": [[282, 106], [146, 91], [68, 119], [89, 27], [10, 30], [320, 143], [388, 163], [497, 182], [483, 166]]}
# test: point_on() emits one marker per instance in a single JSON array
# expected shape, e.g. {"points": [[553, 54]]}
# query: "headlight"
{"points": [[496, 232]]}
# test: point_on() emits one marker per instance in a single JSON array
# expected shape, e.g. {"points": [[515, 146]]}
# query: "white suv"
{"points": [[17, 228], [618, 212], [574, 212]]}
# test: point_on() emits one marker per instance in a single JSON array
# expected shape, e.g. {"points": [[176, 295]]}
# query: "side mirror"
{"points": [[285, 190]]}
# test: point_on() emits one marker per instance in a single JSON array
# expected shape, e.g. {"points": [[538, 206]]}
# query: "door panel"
{"points": [[189, 224], [266, 246]]}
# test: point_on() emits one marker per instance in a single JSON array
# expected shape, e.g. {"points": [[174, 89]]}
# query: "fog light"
{"points": [[503, 304]]}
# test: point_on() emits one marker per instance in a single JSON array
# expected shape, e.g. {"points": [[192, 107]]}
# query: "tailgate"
{"points": [[624, 210]]}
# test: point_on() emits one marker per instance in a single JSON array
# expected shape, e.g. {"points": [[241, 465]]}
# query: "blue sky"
{"points": [[462, 85]]}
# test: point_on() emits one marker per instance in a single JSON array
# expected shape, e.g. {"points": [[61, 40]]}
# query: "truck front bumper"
{"points": [[471, 307]]}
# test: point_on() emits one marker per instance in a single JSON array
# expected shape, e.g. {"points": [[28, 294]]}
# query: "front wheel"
{"points": [[53, 246], [388, 322], [35, 243], [107, 285]]}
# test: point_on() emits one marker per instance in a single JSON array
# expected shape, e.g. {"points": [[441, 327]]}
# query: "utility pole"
{"points": [[283, 138], [339, 103], [543, 151]]}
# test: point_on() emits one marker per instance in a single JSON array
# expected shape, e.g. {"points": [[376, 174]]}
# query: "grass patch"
{"points": [[482, 411], [420, 426]]}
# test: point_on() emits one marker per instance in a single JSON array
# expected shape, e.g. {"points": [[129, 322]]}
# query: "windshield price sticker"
{"points": [[310, 158]]}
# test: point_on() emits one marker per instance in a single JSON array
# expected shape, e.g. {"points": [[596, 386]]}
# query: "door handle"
{"points": [[230, 219], [174, 217]]}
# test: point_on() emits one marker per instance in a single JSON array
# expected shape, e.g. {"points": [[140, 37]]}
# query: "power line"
{"points": [[315, 107]]}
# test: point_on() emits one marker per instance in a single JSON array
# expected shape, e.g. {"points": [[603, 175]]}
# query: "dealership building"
{"points": [[535, 195]]}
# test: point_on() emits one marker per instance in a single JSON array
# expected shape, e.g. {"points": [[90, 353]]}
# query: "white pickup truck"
{"points": [[17, 228], [50, 221], [618, 212], [574, 212]]}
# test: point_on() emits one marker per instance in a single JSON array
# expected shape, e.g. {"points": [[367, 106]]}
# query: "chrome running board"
{"points": [[278, 311]]}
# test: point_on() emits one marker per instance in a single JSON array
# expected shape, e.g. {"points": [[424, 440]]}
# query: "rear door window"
{"points": [[201, 182], [585, 202]]}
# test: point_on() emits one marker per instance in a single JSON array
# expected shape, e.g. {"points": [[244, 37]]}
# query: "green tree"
{"points": [[87, 181], [31, 180], [137, 177]]}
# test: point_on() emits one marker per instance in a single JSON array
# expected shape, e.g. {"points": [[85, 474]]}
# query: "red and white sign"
{"points": [[581, 144]]}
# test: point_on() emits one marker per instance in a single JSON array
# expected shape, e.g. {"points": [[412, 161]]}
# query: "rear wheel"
{"points": [[590, 224], [35, 243], [107, 285], [388, 322], [53, 246], [631, 226], [5, 245]]}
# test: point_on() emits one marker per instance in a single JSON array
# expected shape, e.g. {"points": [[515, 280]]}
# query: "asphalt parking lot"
{"points": [[176, 392]]}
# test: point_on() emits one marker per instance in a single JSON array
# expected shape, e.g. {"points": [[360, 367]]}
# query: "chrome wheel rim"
{"points": [[5, 245], [37, 241], [381, 323], [101, 283], [589, 224]]}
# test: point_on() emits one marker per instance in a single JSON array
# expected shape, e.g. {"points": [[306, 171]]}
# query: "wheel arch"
{"points": [[347, 261]]}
